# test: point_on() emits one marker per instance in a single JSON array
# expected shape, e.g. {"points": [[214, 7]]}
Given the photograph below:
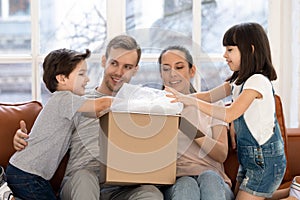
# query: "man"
{"points": [[81, 179]]}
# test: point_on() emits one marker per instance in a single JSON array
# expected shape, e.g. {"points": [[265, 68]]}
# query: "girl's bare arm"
{"points": [[214, 94]]}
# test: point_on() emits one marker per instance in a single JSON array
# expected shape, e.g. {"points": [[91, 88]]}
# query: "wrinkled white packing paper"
{"points": [[138, 99]]}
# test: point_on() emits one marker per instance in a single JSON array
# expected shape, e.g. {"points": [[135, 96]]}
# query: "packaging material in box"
{"points": [[138, 99], [138, 148]]}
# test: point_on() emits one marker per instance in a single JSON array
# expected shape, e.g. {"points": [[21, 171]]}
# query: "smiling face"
{"points": [[76, 81], [120, 66], [175, 71], [233, 57]]}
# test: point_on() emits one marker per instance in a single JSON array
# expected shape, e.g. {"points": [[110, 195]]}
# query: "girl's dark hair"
{"points": [[253, 44], [61, 61], [187, 55]]}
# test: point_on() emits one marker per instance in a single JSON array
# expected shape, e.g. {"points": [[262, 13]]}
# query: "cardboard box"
{"points": [[189, 129], [138, 148]]}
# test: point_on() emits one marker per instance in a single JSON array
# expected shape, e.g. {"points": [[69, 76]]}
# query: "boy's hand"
{"points": [[107, 101], [106, 104], [19, 141]]}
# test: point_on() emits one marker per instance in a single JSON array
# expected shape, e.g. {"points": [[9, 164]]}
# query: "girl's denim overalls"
{"points": [[262, 167]]}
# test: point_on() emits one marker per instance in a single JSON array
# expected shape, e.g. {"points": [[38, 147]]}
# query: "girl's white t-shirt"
{"points": [[259, 117]]}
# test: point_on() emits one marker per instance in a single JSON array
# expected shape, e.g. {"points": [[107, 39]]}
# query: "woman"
{"points": [[200, 171]]}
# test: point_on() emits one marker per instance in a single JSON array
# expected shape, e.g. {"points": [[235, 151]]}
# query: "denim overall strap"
{"points": [[243, 133], [246, 143], [276, 128], [262, 167]]}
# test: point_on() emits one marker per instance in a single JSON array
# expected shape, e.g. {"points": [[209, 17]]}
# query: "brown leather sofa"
{"points": [[11, 114]]}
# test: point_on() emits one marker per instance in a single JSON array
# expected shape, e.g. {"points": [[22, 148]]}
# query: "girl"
{"points": [[259, 142], [65, 75], [200, 171]]}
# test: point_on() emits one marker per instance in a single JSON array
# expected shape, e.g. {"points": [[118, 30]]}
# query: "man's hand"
{"points": [[20, 137]]}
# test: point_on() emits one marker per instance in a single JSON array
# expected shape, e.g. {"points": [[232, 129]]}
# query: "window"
{"points": [[15, 10], [76, 25], [15, 31], [19, 8], [217, 16], [61, 24], [72, 24], [30, 29], [172, 24]]}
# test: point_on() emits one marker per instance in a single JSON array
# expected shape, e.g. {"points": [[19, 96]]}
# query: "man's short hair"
{"points": [[124, 42]]}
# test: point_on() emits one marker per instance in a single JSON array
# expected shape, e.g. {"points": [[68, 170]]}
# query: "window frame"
{"points": [[280, 32]]}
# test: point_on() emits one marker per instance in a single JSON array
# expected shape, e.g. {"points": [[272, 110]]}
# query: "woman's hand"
{"points": [[232, 136]]}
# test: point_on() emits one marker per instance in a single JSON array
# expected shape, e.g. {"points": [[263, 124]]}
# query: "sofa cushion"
{"points": [[10, 116]]}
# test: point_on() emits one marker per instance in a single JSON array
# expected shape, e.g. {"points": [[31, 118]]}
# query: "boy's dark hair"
{"points": [[253, 44], [187, 55], [61, 61], [125, 42]]}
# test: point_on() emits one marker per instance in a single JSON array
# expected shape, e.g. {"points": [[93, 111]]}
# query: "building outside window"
{"points": [[19, 8]]}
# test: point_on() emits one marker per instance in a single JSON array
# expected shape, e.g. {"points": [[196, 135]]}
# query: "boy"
{"points": [[65, 75]]}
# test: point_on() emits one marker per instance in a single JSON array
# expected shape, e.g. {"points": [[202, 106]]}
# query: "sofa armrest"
{"points": [[293, 150]]}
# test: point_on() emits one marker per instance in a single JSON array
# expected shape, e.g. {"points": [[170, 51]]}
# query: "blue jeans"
{"points": [[208, 185], [134, 192], [28, 186]]}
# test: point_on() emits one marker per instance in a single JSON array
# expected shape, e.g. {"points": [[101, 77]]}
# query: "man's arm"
{"points": [[19, 141]]}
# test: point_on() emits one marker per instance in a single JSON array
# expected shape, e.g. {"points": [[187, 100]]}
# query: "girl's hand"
{"points": [[178, 97]]}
